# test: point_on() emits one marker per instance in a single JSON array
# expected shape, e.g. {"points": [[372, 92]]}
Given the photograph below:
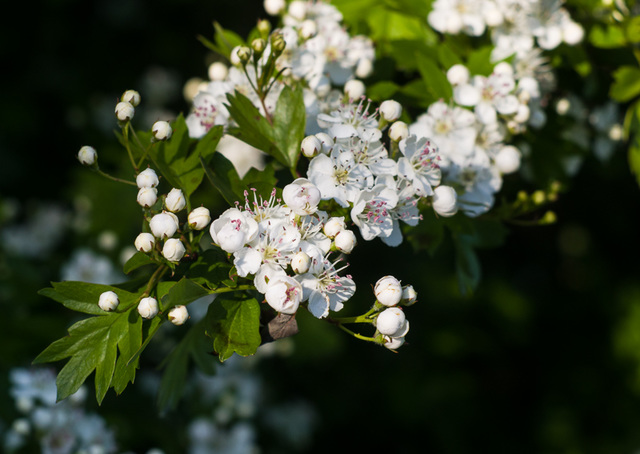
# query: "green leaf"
{"points": [[289, 121], [607, 37], [632, 30], [434, 78], [253, 128], [183, 292], [382, 90], [479, 61], [137, 260], [234, 326], [634, 156], [194, 346], [224, 177], [468, 269], [211, 269], [626, 85], [83, 296]]}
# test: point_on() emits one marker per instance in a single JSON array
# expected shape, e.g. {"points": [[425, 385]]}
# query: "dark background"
{"points": [[543, 358]]}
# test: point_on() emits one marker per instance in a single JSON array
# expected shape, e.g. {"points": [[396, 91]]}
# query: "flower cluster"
{"points": [[286, 248]]}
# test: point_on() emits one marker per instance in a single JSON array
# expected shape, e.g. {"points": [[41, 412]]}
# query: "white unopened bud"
{"points": [[148, 307], [398, 131], [218, 71], [108, 301], [125, 111], [199, 218], [147, 197], [145, 242], [354, 89], [445, 201], [334, 226], [178, 315], [310, 146], [302, 196], [132, 97], [173, 250], [388, 291], [274, 7], [300, 262], [409, 295], [393, 343], [161, 130], [572, 33], [458, 74], [390, 110], [175, 200], [163, 225], [284, 294], [297, 9], [233, 56], [345, 241], [308, 28], [364, 68], [392, 322], [508, 159], [87, 155], [327, 142], [147, 179]]}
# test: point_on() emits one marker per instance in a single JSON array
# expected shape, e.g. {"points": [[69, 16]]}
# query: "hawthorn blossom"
{"points": [[419, 164]]}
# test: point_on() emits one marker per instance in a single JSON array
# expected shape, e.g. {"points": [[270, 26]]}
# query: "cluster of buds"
{"points": [[390, 320]]}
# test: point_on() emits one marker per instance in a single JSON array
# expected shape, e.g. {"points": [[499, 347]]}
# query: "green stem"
{"points": [[119, 180], [125, 134], [357, 335], [239, 288]]}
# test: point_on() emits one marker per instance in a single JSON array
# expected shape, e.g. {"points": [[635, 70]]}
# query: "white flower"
{"points": [[132, 97], [87, 155], [199, 218], [108, 301], [350, 121], [301, 196], [145, 242], [207, 111], [392, 322], [388, 291], [124, 111], [326, 141], [147, 196], [164, 225], [345, 241], [218, 71], [148, 307], [354, 89], [274, 7], [489, 96], [173, 250], [419, 164], [147, 179], [233, 229], [390, 110], [178, 315], [311, 146], [300, 262], [175, 200], [371, 212], [508, 159], [324, 289], [398, 131], [458, 74], [161, 130], [284, 294], [334, 226], [444, 201]]}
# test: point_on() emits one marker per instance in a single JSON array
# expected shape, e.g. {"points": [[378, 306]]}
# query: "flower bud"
{"points": [[173, 250], [458, 75], [284, 294], [445, 201], [125, 111], [132, 97], [297, 9], [388, 291], [147, 197], [175, 200], [390, 110], [108, 301], [334, 226], [278, 43], [147, 179], [145, 242], [393, 343], [218, 71], [178, 315], [398, 131], [310, 146], [163, 225], [300, 262], [302, 196], [87, 155], [161, 130], [274, 7], [345, 241], [233, 56], [308, 29], [392, 322], [148, 307], [327, 142], [364, 68], [258, 45], [199, 218], [409, 295], [508, 159], [264, 27], [354, 89], [244, 54]]}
